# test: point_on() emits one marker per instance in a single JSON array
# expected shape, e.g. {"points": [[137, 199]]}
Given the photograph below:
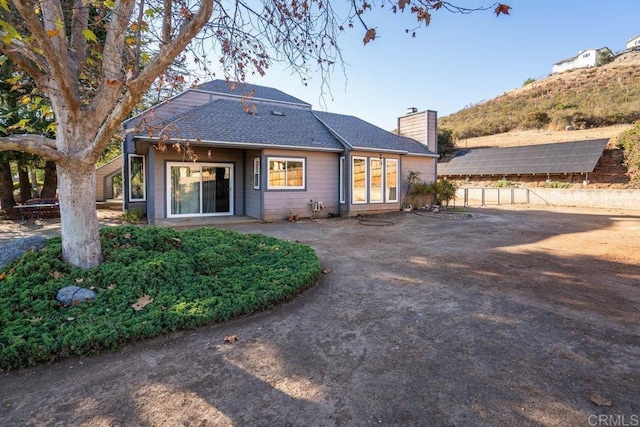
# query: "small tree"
{"points": [[446, 141], [528, 81], [444, 191]]}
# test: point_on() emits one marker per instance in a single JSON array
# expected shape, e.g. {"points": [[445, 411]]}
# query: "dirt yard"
{"points": [[495, 317]]}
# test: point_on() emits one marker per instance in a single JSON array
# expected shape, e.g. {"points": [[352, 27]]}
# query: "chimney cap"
{"points": [[411, 110]]}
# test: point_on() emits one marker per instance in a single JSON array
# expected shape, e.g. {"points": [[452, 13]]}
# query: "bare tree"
{"points": [[94, 61]]}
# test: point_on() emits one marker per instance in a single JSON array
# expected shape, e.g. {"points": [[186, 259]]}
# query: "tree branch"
{"points": [[57, 60], [34, 144], [79, 45], [139, 85]]}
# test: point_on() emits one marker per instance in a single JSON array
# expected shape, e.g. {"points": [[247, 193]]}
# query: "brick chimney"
{"points": [[421, 126]]}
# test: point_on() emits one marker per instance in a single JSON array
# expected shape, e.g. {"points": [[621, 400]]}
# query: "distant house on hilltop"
{"points": [[633, 43], [584, 59]]}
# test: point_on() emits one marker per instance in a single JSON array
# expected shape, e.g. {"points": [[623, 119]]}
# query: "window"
{"points": [[359, 173], [136, 178], [375, 186], [286, 173], [343, 188], [391, 181], [256, 173], [586, 55]]}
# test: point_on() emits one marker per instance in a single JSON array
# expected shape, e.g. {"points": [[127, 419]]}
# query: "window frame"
{"points": [[286, 160], [386, 180], [382, 176], [144, 178], [353, 182]]}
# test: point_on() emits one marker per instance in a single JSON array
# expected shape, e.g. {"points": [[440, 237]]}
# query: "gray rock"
{"points": [[15, 249], [74, 295]]}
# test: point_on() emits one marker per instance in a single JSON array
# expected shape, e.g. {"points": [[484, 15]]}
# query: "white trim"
{"points": [[228, 144], [144, 178], [256, 172], [366, 181], [201, 165], [382, 186], [342, 180], [286, 160], [386, 183]]}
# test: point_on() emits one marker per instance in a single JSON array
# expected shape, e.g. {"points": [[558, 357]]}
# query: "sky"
{"points": [[458, 60]]}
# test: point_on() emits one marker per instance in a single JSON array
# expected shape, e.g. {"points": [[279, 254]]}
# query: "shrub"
{"points": [[444, 191], [132, 216], [503, 183], [630, 142], [194, 277], [556, 184]]}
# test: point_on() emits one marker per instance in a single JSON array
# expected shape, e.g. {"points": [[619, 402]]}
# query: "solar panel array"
{"points": [[564, 157]]}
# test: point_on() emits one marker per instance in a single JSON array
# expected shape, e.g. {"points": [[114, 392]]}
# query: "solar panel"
{"points": [[563, 157]]}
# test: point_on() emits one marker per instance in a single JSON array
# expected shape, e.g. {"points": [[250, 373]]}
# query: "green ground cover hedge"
{"points": [[195, 277]]}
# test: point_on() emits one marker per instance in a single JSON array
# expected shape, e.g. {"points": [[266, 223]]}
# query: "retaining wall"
{"points": [[583, 197]]}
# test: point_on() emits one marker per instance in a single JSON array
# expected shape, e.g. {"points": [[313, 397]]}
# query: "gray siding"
{"points": [[174, 107], [253, 197], [217, 156], [425, 165], [321, 185], [414, 126], [109, 170], [432, 130]]}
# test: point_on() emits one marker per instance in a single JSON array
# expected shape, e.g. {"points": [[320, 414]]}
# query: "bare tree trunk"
{"points": [[50, 181], [25, 183], [79, 220], [6, 186]]}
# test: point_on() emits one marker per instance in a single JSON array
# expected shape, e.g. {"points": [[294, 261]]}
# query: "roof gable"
{"points": [[249, 91], [359, 134], [227, 121]]}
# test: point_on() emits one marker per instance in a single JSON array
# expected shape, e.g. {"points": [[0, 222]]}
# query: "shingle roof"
{"points": [[360, 134], [564, 157], [227, 121], [246, 89]]}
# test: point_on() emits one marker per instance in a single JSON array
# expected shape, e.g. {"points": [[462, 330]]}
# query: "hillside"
{"points": [[579, 99]]}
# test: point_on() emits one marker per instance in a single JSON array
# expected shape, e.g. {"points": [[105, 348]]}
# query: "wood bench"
{"points": [[34, 209]]}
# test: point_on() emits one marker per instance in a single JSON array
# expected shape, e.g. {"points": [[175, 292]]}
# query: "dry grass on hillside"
{"points": [[531, 137], [580, 99]]}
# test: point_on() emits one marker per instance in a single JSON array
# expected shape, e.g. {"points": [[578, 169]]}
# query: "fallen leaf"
{"points": [[142, 302], [53, 33], [600, 400], [55, 274], [326, 271], [71, 319], [3, 275], [127, 235], [231, 339], [111, 286], [80, 280]]}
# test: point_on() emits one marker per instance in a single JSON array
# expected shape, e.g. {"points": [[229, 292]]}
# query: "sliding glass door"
{"points": [[199, 189]]}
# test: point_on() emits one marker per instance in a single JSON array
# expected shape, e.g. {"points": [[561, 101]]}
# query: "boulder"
{"points": [[70, 295], [15, 249]]}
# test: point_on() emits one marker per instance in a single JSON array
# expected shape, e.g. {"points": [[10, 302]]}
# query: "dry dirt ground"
{"points": [[510, 317]]}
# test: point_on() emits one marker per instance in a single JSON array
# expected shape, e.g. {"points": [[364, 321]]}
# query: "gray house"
{"points": [[259, 152]]}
